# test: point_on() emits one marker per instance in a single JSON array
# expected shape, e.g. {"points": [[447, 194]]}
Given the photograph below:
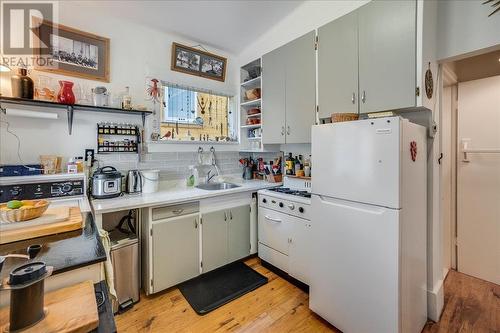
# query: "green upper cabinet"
{"points": [[338, 66], [367, 59], [387, 55], [289, 91]]}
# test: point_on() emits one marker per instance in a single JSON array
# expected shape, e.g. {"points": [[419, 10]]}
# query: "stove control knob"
{"points": [[66, 188], [14, 192], [301, 209], [281, 205], [291, 206], [264, 200]]}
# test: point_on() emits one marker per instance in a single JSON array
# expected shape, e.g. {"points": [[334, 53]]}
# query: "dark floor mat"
{"points": [[218, 287]]}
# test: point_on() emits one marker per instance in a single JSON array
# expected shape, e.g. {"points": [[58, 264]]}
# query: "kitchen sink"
{"points": [[217, 186]]}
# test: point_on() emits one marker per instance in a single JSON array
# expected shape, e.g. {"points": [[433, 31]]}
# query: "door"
{"points": [[273, 97], [361, 159], [300, 84], [299, 250], [338, 66], [387, 55], [239, 233], [175, 250], [354, 265], [214, 240], [273, 230], [478, 179]]}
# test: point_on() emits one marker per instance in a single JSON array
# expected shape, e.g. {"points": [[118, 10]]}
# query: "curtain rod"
{"points": [[206, 91]]}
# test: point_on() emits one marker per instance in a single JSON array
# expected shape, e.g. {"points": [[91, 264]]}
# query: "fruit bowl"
{"points": [[26, 210]]}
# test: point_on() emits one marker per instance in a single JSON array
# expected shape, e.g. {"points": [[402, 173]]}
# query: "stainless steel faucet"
{"points": [[209, 176]]}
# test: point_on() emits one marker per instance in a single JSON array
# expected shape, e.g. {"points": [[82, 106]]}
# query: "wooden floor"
{"points": [[471, 305]]}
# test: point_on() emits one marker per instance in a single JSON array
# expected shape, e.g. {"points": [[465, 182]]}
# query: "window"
{"points": [[180, 105], [196, 115]]}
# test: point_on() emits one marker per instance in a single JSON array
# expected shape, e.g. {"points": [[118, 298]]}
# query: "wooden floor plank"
{"points": [[471, 306]]}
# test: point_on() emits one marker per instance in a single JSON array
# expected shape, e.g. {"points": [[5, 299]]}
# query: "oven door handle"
{"points": [[272, 219]]}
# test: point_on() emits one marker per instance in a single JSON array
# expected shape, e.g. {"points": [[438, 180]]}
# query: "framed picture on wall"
{"points": [[68, 51], [192, 61]]}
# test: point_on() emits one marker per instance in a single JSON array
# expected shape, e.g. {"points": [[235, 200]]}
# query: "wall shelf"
{"points": [[253, 83], [255, 102], [251, 126], [70, 109]]}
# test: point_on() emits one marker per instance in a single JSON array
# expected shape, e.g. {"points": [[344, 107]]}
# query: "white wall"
{"points": [[308, 16], [136, 52], [464, 27]]}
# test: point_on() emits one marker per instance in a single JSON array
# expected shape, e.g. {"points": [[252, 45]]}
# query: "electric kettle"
{"points": [[134, 181]]}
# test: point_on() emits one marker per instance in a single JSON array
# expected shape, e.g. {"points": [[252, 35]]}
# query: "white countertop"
{"points": [[173, 192]]}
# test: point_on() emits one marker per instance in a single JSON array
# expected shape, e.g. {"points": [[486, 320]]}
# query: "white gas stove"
{"points": [[284, 226]]}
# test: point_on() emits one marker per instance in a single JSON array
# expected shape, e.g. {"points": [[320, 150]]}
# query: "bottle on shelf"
{"points": [[127, 99], [289, 165], [296, 165]]}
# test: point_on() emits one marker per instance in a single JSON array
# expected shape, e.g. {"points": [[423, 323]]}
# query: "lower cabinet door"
{"points": [[214, 239], [175, 250], [299, 249], [238, 243]]}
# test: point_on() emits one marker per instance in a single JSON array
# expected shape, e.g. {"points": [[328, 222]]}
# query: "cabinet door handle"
{"points": [[177, 211], [272, 219], [288, 130], [282, 130], [196, 223], [225, 216], [230, 214], [363, 97], [353, 98]]}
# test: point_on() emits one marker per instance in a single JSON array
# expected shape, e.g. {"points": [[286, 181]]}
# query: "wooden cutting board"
{"points": [[51, 215], [73, 222], [71, 309]]}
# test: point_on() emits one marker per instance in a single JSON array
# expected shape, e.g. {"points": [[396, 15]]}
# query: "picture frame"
{"points": [[68, 51], [192, 61]]}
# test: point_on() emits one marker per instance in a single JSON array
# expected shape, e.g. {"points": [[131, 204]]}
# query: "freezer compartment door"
{"points": [[358, 161], [354, 279]]}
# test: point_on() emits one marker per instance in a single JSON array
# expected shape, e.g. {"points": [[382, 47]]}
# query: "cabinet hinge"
{"points": [[201, 264], [417, 91], [316, 42], [151, 282], [151, 231], [317, 108]]}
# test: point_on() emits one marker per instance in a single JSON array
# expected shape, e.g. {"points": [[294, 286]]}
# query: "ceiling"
{"points": [[477, 67], [228, 25]]}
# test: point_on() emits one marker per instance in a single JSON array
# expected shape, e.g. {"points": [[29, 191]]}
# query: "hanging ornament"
{"points": [[429, 83]]}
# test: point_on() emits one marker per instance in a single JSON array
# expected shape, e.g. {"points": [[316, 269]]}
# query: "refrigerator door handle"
{"points": [[367, 208]]}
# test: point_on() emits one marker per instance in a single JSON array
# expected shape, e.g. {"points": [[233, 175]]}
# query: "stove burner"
{"points": [[286, 190]]}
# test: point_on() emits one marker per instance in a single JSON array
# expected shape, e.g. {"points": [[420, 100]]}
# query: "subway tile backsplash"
{"points": [[172, 165]]}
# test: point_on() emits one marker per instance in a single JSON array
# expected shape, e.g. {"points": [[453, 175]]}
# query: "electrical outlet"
{"points": [[90, 153]]}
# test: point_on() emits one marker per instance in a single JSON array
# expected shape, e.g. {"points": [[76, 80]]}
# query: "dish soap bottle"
{"points": [[192, 178]]}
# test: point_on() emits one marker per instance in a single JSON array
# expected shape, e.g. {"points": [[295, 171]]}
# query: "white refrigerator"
{"points": [[369, 213]]}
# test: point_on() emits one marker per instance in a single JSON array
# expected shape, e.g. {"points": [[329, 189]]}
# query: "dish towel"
{"points": [[107, 268]]}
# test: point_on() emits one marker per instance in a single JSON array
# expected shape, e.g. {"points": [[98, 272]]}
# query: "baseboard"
{"points": [[435, 301]]}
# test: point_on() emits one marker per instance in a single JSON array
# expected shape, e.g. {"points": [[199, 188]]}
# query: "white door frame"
{"points": [[449, 80]]}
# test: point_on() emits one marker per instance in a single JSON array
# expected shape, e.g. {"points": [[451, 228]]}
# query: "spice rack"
{"points": [[116, 138]]}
